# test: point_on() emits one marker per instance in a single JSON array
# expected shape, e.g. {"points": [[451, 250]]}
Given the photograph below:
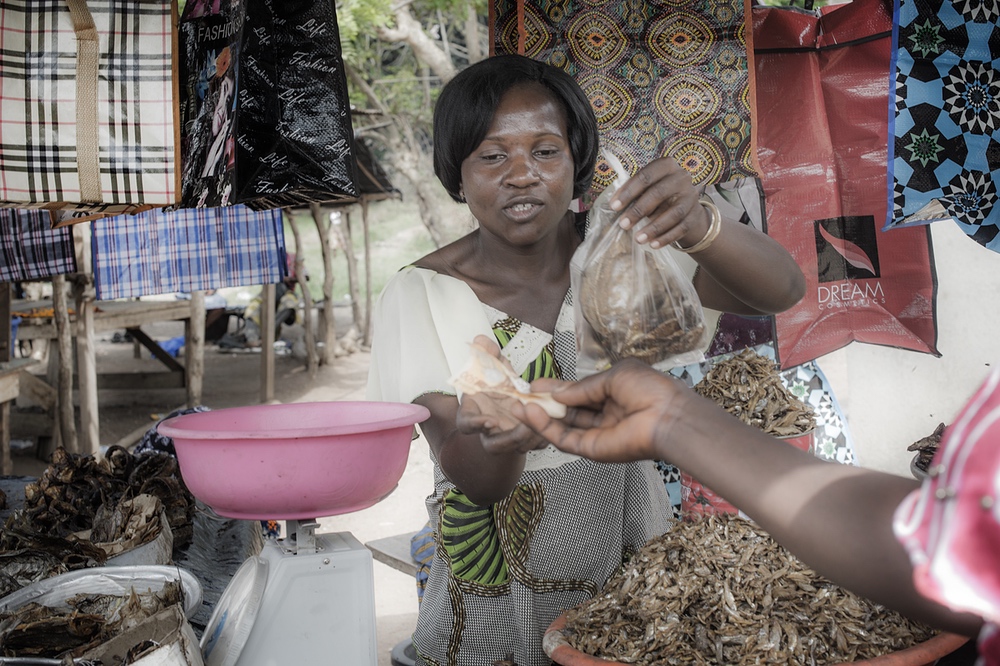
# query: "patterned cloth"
{"points": [[502, 573], [665, 77], [30, 249], [187, 250], [132, 115], [950, 526], [945, 156]]}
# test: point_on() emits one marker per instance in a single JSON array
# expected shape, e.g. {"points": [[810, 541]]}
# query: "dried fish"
{"points": [[706, 610], [926, 447], [749, 387]]}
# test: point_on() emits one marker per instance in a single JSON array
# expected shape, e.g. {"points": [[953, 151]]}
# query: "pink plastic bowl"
{"points": [[295, 461]]}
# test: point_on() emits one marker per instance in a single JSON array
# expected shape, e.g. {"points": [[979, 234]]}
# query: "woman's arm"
{"points": [[482, 458], [835, 518], [743, 271]]}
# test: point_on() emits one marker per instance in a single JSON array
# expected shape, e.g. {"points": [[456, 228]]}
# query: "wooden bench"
{"points": [[394, 551]]}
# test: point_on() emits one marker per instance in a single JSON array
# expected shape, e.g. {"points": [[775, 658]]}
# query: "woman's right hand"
{"points": [[619, 415]]}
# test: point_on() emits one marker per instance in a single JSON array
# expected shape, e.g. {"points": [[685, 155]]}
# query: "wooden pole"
{"points": [[344, 234], [312, 359], [86, 352], [366, 332], [194, 349], [6, 463], [328, 331], [267, 343], [66, 416]]}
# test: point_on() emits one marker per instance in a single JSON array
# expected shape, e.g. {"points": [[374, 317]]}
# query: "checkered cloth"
{"points": [[30, 249], [186, 250], [126, 110]]}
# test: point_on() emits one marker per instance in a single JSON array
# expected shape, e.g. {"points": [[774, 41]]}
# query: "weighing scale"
{"points": [[305, 599]]}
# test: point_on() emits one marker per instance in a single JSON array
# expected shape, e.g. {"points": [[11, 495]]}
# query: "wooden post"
{"points": [[343, 231], [6, 464], [194, 349], [65, 414], [328, 332], [86, 352], [267, 343], [312, 360], [366, 332]]}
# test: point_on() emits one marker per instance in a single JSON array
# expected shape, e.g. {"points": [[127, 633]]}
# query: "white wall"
{"points": [[891, 397]]}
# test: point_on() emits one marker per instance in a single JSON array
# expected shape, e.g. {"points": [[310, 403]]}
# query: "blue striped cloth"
{"points": [[186, 250], [31, 249]]}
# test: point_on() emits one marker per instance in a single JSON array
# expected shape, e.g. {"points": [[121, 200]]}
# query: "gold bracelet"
{"points": [[714, 228]]}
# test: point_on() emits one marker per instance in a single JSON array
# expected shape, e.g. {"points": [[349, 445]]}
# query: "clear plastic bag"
{"points": [[631, 300]]}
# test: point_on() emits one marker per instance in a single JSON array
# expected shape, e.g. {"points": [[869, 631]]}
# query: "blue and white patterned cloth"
{"points": [[187, 250], [944, 143], [31, 249]]}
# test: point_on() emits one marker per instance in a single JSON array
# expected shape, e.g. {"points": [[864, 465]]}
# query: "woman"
{"points": [[524, 531]]}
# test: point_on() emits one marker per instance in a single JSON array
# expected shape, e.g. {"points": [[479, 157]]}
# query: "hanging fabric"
{"points": [[822, 93], [159, 252], [665, 78], [945, 111], [87, 106], [30, 249], [265, 111]]}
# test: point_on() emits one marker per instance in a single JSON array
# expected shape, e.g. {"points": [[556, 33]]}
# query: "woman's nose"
{"points": [[521, 171]]}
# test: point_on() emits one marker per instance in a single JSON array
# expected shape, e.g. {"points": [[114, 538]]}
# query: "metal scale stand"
{"points": [[306, 599]]}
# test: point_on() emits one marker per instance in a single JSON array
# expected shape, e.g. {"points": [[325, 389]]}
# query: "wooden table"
{"points": [[92, 317]]}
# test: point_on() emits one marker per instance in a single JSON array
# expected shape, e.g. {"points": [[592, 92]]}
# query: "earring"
{"points": [[461, 194]]}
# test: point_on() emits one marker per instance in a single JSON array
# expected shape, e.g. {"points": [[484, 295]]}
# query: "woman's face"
{"points": [[519, 181]]}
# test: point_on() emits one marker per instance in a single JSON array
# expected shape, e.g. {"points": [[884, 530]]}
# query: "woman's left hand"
{"points": [[662, 191], [490, 417]]}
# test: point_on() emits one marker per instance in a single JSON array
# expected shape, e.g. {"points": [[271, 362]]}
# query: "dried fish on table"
{"points": [[749, 387], [719, 590]]}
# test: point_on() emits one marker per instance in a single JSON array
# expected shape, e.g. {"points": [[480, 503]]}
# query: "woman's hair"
{"points": [[466, 106]]}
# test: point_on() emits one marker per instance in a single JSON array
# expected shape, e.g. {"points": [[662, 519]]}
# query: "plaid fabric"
{"points": [[944, 142], [30, 249], [665, 77], [187, 250], [135, 105]]}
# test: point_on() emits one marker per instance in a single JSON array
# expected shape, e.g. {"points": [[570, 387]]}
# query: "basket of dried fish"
{"points": [[718, 590], [749, 387]]}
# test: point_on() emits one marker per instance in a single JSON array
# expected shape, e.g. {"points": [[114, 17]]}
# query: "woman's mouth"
{"points": [[522, 210]]}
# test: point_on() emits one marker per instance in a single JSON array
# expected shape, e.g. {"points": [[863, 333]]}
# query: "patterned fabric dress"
{"points": [[502, 573]]}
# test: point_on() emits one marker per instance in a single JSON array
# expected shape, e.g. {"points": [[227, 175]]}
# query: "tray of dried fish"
{"points": [[719, 590], [67, 615], [749, 387]]}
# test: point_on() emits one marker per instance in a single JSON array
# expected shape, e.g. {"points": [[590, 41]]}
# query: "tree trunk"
{"points": [[409, 30], [328, 332], [472, 45]]}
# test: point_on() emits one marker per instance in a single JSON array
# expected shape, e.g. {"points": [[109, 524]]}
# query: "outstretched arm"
{"points": [[836, 518]]}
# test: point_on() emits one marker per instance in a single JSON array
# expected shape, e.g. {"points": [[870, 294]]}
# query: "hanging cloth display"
{"points": [[30, 249], [664, 78], [822, 93], [159, 252], [88, 106], [265, 109], [945, 112]]}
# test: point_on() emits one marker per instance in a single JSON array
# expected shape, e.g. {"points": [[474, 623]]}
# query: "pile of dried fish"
{"points": [[749, 387], [927, 447], [718, 590], [86, 621], [72, 488], [78, 493]]}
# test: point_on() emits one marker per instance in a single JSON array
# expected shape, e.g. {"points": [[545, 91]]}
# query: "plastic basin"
{"points": [[294, 461]]}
